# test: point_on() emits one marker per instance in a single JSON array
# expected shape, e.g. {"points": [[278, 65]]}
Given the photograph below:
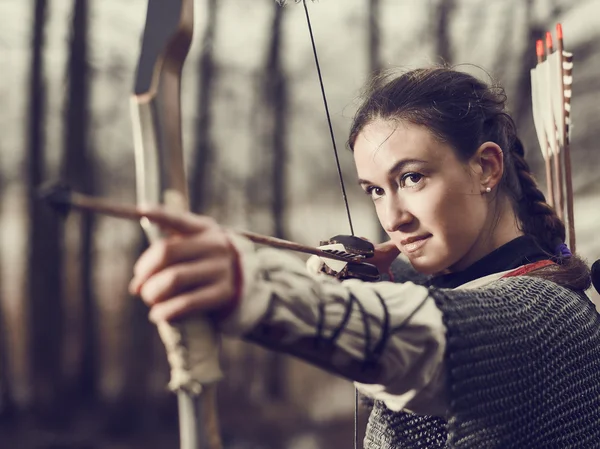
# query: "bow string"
{"points": [[336, 267]]}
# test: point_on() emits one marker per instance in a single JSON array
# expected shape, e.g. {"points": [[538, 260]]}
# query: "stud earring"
{"points": [[488, 189]]}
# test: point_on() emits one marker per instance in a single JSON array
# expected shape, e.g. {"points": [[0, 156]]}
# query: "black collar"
{"points": [[517, 252]]}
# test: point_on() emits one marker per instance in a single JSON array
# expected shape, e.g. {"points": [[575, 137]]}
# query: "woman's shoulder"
{"points": [[530, 286], [524, 294], [531, 308]]}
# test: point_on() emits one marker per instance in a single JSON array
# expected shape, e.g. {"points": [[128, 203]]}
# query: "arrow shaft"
{"points": [[113, 209]]}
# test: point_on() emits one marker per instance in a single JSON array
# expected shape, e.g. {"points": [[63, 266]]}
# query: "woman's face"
{"points": [[431, 205]]}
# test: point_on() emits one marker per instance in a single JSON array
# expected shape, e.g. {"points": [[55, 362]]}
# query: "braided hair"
{"points": [[464, 112]]}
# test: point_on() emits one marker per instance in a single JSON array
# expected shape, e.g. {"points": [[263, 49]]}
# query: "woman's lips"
{"points": [[414, 244]]}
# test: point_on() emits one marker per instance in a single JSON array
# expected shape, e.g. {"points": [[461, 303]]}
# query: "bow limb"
{"points": [[192, 345]]}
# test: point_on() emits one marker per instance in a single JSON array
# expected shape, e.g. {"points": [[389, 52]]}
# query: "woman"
{"points": [[497, 347]]}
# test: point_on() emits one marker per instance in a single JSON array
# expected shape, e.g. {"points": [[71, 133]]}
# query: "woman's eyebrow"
{"points": [[397, 167], [402, 164]]}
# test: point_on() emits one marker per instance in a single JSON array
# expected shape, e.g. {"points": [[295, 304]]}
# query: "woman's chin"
{"points": [[427, 266]]}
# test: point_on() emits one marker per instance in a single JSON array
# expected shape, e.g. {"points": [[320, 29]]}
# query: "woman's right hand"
{"points": [[385, 254]]}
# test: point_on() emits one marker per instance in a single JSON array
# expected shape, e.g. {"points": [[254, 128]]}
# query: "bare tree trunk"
{"points": [[266, 187], [7, 406], [6, 403], [200, 180], [138, 401], [374, 36], [267, 190], [78, 171], [522, 109], [44, 278], [444, 48], [276, 98]]}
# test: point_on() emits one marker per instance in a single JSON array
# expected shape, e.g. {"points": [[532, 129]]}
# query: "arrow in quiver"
{"points": [[551, 92]]}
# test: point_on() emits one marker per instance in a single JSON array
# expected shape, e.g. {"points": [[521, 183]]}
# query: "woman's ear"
{"points": [[489, 162]]}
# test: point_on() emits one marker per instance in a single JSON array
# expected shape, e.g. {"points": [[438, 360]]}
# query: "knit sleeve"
{"points": [[388, 336]]}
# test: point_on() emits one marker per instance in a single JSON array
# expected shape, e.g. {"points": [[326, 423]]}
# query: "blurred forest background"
{"points": [[80, 366]]}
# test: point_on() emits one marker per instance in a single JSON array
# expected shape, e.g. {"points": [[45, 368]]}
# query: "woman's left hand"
{"points": [[194, 268]]}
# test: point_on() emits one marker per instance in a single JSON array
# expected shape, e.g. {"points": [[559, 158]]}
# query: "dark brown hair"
{"points": [[464, 112]]}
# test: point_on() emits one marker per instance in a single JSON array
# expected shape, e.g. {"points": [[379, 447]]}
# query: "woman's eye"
{"points": [[374, 192], [410, 179]]}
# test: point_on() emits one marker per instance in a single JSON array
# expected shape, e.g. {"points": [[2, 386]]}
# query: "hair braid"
{"points": [[541, 221], [537, 217]]}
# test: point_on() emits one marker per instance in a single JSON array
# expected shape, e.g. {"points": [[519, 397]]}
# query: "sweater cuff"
{"points": [[249, 307]]}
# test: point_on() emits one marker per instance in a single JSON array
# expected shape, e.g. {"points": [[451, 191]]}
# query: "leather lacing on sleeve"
{"points": [[324, 348], [371, 353]]}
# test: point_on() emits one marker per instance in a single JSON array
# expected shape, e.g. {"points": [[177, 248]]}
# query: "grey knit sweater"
{"points": [[523, 370]]}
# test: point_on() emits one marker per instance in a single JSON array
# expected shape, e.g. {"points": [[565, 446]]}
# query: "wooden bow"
{"points": [[156, 115], [192, 345]]}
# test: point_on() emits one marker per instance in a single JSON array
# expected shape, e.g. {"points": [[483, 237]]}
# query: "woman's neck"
{"points": [[502, 226]]}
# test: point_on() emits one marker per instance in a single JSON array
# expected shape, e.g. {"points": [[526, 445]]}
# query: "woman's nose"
{"points": [[396, 215]]}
